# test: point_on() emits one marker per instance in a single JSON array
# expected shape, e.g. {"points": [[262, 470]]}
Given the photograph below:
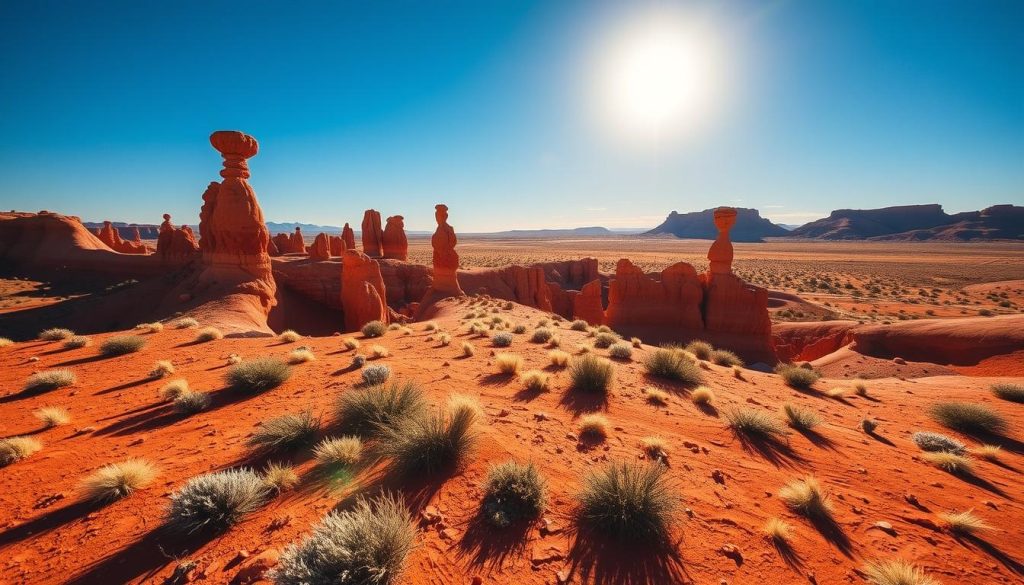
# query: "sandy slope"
{"points": [[47, 536]]}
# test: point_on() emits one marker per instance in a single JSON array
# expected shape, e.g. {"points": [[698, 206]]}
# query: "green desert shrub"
{"points": [[122, 345], [216, 501], [376, 374], [629, 502], [56, 334], [968, 418], [797, 377], [700, 349], [430, 442], [590, 373], [258, 375], [374, 329], [366, 545], [726, 358], [1011, 392], [514, 492], [48, 381], [502, 339], [364, 411], [541, 335], [672, 364], [288, 431], [755, 424], [932, 442]]}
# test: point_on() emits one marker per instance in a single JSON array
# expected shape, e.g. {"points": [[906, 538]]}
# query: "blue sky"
{"points": [[106, 109]]}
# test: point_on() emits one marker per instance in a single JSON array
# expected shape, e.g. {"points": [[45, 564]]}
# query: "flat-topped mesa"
{"points": [[175, 245], [349, 237], [297, 245], [373, 237], [363, 297], [234, 233], [321, 248], [394, 243]]}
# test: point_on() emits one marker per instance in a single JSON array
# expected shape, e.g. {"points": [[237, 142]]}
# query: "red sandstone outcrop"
{"points": [[175, 245], [298, 245], [394, 243], [587, 304], [522, 284], [637, 302], [112, 238], [362, 290], [321, 248], [337, 245], [445, 258], [373, 237], [349, 237], [283, 243]]}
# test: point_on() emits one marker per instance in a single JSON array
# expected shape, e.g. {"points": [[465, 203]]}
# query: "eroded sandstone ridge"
{"points": [[175, 244], [321, 248], [394, 243], [112, 238], [373, 237], [362, 290]]}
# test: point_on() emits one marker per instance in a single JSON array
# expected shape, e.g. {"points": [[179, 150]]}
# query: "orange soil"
{"points": [[48, 536]]}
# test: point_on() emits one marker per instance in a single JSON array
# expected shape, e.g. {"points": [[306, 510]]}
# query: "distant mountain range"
{"points": [[750, 226], [917, 223], [549, 233]]}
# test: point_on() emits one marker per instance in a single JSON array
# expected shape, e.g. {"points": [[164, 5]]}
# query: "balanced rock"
{"points": [[362, 290], [394, 243], [298, 245], [349, 237], [445, 258], [373, 237], [321, 248]]}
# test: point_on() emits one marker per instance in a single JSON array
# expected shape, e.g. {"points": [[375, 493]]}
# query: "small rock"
{"points": [[541, 416], [253, 569], [885, 527], [718, 476], [733, 552]]}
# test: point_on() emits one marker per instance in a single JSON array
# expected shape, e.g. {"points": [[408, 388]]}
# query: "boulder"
{"points": [[372, 235], [321, 248], [362, 290], [394, 244]]}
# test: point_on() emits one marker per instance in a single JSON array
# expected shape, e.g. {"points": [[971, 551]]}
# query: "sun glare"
{"points": [[657, 77]]}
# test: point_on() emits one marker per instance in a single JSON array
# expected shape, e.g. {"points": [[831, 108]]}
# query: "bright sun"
{"points": [[657, 78]]}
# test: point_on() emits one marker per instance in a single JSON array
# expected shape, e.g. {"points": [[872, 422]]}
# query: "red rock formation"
{"points": [[238, 236], [372, 235], [110, 236], [136, 236], [175, 245], [321, 248], [206, 241], [637, 302], [587, 305], [362, 290], [283, 243], [446, 259], [522, 284], [272, 248], [394, 244], [337, 245], [349, 237], [720, 253], [298, 244]]}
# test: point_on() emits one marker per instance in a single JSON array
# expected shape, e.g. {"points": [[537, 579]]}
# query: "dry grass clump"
{"points": [[513, 493], [703, 396], [208, 334], [806, 496], [797, 377], [837, 392], [374, 329], [154, 327], [118, 480], [621, 351], [430, 326], [629, 502], [55, 334], [468, 349], [590, 373], [725, 358], [604, 340], [594, 425], [860, 389], [350, 343], [636, 342], [519, 329], [280, 477], [161, 369], [968, 418], [701, 350], [928, 441], [949, 462], [4, 342], [508, 363], [288, 431], [173, 389], [366, 545], [376, 374], [534, 381], [656, 396], [778, 530], [379, 351], [289, 336], [869, 425], [801, 419], [48, 381], [988, 452], [1011, 392], [502, 339], [429, 443], [186, 323], [673, 364], [394, 326], [339, 452], [365, 411], [300, 356], [234, 359], [13, 449], [53, 416], [655, 447], [896, 572], [755, 424], [122, 345], [77, 341], [444, 339], [541, 335], [216, 500], [558, 358], [963, 522], [579, 325], [258, 375], [190, 402]]}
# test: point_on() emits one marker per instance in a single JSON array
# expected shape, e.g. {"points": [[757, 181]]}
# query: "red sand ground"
{"points": [[47, 535]]}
